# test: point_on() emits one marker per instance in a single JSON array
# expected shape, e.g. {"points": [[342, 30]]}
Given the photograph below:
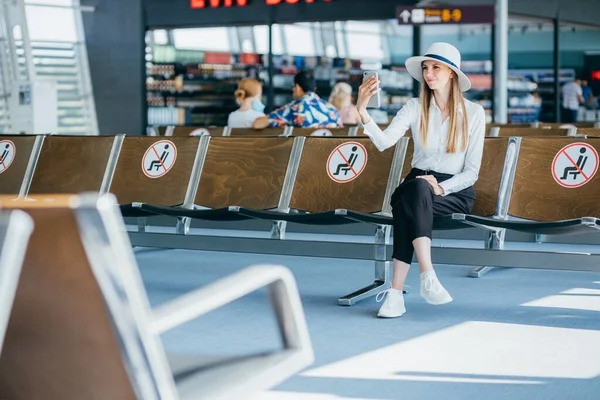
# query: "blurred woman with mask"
{"points": [[248, 96]]}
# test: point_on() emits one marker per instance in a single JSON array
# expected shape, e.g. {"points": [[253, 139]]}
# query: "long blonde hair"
{"points": [[341, 95], [455, 100]]}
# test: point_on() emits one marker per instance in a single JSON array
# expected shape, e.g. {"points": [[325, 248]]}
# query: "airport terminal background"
{"points": [[80, 68]]}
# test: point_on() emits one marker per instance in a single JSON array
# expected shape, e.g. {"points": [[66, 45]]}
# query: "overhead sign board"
{"points": [[450, 14], [243, 3]]}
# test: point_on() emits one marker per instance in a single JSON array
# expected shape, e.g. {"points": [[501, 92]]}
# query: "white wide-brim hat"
{"points": [[444, 53]]}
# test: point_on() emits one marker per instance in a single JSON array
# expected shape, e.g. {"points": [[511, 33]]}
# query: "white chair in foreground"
{"points": [[15, 228], [82, 327]]}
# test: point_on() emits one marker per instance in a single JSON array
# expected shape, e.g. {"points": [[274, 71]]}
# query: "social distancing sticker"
{"points": [[347, 162], [8, 150], [575, 165], [159, 159]]}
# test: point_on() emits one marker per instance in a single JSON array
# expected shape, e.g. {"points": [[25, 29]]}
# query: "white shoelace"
{"points": [[382, 294], [430, 284]]}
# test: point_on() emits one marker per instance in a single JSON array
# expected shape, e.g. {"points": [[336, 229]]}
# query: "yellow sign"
{"points": [[456, 15], [445, 15], [467, 14]]}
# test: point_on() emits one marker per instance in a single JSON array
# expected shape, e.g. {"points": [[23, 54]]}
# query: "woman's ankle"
{"points": [[426, 269]]}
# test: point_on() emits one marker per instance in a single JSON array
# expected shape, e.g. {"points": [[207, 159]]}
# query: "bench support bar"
{"points": [[495, 241], [383, 268]]}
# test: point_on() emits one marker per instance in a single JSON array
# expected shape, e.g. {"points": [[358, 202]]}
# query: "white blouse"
{"points": [[432, 156]]}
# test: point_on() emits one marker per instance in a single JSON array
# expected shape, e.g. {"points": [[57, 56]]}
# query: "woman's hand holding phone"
{"points": [[368, 89]]}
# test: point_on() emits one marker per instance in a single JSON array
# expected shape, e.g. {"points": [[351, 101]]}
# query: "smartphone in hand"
{"points": [[374, 101]]}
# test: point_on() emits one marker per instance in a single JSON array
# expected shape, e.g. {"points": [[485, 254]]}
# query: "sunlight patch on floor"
{"points": [[573, 302], [276, 395], [479, 352]]}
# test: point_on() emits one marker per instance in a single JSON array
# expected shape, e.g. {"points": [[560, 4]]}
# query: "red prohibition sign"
{"points": [[577, 162]]}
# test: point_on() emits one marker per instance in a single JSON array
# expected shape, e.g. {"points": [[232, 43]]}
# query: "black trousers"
{"points": [[414, 205]]}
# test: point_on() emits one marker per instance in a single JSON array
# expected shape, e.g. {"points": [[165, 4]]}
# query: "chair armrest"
{"points": [[285, 300]]}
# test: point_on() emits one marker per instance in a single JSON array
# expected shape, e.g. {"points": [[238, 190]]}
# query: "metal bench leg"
{"points": [[183, 226], [382, 282], [142, 222], [278, 230], [383, 276], [478, 272], [539, 238], [495, 241]]}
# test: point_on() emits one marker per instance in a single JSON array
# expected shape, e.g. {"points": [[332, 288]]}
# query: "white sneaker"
{"points": [[393, 306], [432, 290]]}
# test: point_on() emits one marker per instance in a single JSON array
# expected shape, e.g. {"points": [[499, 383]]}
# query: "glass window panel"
{"points": [[340, 39], [50, 23], [247, 46], [365, 46], [234, 42], [299, 40], [17, 33], [51, 2], [330, 51], [261, 39], [211, 39], [363, 26], [161, 36]]}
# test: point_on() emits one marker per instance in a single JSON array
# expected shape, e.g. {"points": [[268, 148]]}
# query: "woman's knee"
{"points": [[414, 189], [417, 187]]}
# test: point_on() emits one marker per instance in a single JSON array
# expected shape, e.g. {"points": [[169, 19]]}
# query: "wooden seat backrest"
{"points": [[60, 342], [595, 132], [71, 164], [256, 132], [161, 130], [12, 175], [131, 183], [315, 191], [536, 194], [321, 131], [244, 171], [488, 127], [494, 125], [181, 131], [487, 186], [547, 125], [540, 132]]}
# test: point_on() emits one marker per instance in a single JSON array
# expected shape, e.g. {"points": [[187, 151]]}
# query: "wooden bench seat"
{"points": [[81, 326], [540, 202], [487, 187], [547, 125], [256, 132], [246, 172], [591, 132], [318, 193], [164, 183], [532, 132], [347, 131], [184, 131]]}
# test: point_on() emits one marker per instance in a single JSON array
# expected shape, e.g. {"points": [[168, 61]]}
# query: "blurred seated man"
{"points": [[588, 96], [306, 111]]}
